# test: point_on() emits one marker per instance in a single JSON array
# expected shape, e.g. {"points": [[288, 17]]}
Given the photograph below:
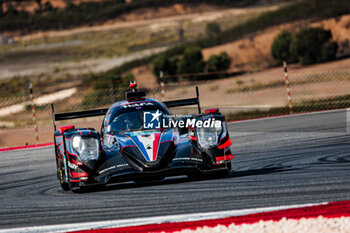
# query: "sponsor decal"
{"points": [[135, 105], [113, 167], [187, 158], [107, 169], [73, 166]]}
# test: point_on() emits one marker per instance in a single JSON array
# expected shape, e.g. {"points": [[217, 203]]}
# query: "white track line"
{"points": [[152, 220]]}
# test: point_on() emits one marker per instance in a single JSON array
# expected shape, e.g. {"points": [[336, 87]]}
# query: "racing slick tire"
{"points": [[90, 188], [65, 186], [211, 174], [223, 173]]}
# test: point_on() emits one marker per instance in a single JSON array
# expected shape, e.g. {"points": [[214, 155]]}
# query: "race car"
{"points": [[140, 140]]}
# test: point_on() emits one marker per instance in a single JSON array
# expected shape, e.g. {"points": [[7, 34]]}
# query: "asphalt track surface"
{"points": [[278, 161]]}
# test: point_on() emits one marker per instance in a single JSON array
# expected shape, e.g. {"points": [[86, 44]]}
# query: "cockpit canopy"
{"points": [[132, 116]]}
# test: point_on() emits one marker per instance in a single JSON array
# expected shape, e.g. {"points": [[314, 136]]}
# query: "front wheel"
{"points": [[224, 173], [221, 174], [90, 188]]}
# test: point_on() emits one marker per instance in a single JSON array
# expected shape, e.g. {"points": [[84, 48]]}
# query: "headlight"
{"points": [[208, 136], [88, 148]]}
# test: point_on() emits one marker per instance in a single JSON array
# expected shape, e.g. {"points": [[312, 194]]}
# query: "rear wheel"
{"points": [[65, 186]]}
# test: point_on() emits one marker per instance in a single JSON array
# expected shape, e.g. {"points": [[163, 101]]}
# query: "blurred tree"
{"points": [[329, 51], [219, 62], [39, 4], [48, 7], [181, 33], [160, 63], [280, 48], [173, 61], [70, 5], [312, 45], [11, 10], [129, 77], [192, 61], [1, 8], [163, 63], [212, 29]]}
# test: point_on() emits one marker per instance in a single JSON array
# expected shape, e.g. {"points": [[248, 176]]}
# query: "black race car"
{"points": [[141, 141]]}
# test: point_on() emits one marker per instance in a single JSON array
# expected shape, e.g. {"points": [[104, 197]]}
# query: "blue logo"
{"points": [[151, 119]]}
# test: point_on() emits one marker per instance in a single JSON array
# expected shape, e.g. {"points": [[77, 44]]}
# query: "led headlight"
{"points": [[88, 148], [208, 136]]}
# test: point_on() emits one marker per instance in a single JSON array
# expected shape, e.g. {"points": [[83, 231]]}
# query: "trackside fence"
{"points": [[241, 96]]}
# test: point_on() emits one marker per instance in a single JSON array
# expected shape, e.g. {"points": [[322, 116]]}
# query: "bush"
{"points": [[173, 62], [162, 63], [329, 51], [48, 7], [192, 61], [212, 29], [219, 62], [280, 48], [311, 45]]}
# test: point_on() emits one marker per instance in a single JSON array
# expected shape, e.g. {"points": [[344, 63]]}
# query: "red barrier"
{"points": [[26, 147]]}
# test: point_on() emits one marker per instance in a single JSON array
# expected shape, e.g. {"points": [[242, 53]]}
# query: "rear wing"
{"points": [[75, 115], [103, 111], [185, 102]]}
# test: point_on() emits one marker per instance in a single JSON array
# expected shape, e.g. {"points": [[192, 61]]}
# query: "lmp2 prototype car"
{"points": [[141, 141]]}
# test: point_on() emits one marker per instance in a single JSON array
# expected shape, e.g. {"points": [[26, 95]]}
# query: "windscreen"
{"points": [[132, 121]]}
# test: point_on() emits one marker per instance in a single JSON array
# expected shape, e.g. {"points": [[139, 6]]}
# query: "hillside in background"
{"points": [[32, 6], [253, 53], [87, 64], [71, 15], [102, 53]]}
